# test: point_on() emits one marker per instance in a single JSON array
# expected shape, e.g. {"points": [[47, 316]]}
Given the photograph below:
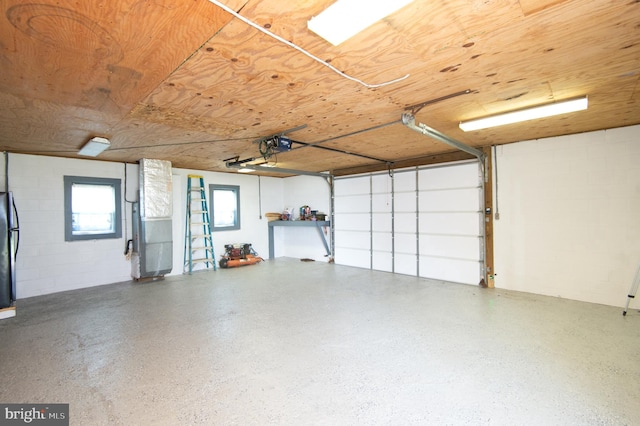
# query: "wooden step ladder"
{"points": [[198, 244]]}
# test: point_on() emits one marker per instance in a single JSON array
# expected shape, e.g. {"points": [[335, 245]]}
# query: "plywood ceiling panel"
{"points": [[189, 83], [105, 55], [533, 6]]}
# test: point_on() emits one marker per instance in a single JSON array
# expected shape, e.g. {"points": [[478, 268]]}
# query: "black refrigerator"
{"points": [[9, 241]]}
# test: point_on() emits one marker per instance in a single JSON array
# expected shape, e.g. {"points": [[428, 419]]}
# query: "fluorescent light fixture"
{"points": [[94, 147], [245, 170], [541, 111], [346, 18]]}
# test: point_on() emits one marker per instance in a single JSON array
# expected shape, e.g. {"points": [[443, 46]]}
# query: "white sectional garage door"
{"points": [[423, 221], [352, 221]]}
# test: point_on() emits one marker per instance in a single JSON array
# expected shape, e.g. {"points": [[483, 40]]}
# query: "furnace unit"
{"points": [[152, 255]]}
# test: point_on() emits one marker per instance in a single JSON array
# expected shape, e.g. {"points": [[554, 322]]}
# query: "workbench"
{"points": [[308, 223]]}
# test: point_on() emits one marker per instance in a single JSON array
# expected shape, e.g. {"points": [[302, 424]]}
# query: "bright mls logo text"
{"points": [[39, 413]]}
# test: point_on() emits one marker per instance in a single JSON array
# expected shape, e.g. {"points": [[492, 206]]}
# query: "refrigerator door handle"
{"points": [[17, 239], [16, 229]]}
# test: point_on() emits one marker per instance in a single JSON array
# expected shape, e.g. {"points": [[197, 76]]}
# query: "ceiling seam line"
{"points": [[171, 73]]}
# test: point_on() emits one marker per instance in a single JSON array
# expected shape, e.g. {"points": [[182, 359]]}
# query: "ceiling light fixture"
{"points": [[532, 113], [346, 18], [94, 147], [245, 170]]}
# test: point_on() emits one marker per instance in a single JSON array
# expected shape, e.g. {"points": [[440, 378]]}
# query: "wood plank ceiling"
{"points": [[185, 81]]}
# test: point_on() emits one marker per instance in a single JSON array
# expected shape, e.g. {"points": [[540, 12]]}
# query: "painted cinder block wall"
{"points": [[569, 212], [46, 263]]}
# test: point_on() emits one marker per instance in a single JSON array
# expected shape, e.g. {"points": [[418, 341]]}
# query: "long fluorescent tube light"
{"points": [[245, 170], [541, 111], [94, 147], [346, 18]]}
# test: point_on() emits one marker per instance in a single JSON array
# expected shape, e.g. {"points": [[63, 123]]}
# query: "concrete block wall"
{"points": [[569, 209], [46, 263]]}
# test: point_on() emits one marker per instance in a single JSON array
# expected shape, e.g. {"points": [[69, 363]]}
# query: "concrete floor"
{"points": [[294, 343]]}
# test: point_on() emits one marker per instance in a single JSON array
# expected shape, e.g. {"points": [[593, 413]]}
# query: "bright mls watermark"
{"points": [[34, 414]]}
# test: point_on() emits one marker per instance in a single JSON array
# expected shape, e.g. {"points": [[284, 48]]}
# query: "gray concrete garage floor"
{"points": [[294, 343]]}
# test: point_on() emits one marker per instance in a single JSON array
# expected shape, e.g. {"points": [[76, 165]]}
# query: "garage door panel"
{"points": [[405, 222], [457, 200], [404, 202], [450, 223], [381, 203], [352, 186], [352, 204], [450, 246], [381, 222], [381, 241], [405, 180], [382, 261], [353, 239], [381, 183], [405, 243], [353, 257], [405, 264], [453, 176], [465, 272], [352, 222]]}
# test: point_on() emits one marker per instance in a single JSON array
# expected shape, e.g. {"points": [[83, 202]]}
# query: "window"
{"points": [[225, 207], [91, 208]]}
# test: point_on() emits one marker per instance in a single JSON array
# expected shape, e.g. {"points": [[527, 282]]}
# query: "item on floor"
{"points": [[239, 255], [306, 259]]}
